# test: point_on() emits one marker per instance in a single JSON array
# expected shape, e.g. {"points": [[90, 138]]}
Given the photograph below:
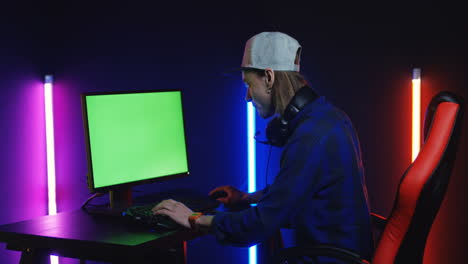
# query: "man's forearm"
{"points": [[255, 197], [205, 221]]}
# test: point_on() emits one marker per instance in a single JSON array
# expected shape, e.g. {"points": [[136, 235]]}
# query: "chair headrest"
{"points": [[441, 97]]}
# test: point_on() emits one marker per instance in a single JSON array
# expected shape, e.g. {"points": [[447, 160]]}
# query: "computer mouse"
{"points": [[218, 194]]}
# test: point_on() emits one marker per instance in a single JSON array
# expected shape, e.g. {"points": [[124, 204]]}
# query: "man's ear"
{"points": [[269, 77]]}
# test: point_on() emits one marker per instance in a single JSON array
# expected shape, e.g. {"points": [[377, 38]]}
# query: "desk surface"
{"points": [[77, 233]]}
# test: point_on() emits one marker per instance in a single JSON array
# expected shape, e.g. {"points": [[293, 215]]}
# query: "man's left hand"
{"points": [[175, 210]]}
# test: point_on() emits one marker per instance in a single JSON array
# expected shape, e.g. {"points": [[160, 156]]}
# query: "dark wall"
{"points": [[360, 62]]}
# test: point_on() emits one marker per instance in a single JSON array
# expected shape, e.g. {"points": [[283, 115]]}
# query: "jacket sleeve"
{"points": [[300, 164]]}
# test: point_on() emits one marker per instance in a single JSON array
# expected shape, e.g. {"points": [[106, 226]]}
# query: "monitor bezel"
{"points": [[90, 176]]}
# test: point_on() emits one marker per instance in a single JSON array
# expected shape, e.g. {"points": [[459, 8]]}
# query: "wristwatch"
{"points": [[192, 219]]}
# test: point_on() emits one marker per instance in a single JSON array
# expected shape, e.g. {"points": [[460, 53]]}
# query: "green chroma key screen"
{"points": [[135, 136]]}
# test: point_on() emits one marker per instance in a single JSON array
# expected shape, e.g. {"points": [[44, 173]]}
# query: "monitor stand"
{"points": [[120, 198]]}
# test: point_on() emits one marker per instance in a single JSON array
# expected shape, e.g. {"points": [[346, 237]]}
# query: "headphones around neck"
{"points": [[278, 130]]}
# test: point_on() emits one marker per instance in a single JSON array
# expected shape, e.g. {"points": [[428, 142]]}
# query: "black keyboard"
{"points": [[143, 215]]}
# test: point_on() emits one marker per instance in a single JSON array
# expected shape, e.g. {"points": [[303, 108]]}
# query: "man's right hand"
{"points": [[233, 196]]}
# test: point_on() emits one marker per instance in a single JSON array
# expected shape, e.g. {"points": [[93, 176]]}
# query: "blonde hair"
{"points": [[286, 84]]}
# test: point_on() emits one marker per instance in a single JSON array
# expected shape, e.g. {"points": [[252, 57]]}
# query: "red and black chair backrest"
{"points": [[423, 185]]}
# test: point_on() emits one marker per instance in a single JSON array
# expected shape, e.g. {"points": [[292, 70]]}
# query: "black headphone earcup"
{"points": [[276, 132]]}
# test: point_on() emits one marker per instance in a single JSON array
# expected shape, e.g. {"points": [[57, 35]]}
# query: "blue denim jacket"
{"points": [[319, 190]]}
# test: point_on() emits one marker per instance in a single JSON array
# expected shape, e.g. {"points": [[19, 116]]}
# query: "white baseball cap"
{"points": [[274, 50]]}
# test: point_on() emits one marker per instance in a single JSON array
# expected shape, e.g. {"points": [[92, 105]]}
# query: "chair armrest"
{"points": [[379, 221], [320, 250]]}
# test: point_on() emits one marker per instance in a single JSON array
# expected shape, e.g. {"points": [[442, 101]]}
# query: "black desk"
{"points": [[77, 234]]}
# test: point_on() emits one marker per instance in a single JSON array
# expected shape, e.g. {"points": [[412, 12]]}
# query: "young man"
{"points": [[320, 188]]}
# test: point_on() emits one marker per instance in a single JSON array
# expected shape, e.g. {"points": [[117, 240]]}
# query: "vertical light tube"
{"points": [[49, 117], [251, 166], [416, 123], [50, 148], [251, 147]]}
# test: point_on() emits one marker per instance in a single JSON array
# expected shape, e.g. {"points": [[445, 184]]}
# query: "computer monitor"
{"points": [[133, 138]]}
